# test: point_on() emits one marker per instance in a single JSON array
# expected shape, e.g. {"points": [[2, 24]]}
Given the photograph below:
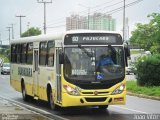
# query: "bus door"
{"points": [[58, 75], [35, 73]]}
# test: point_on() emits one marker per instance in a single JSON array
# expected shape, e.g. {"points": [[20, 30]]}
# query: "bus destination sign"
{"points": [[92, 39]]}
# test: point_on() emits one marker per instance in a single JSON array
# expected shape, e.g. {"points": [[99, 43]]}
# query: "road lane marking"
{"points": [[130, 109], [33, 108]]}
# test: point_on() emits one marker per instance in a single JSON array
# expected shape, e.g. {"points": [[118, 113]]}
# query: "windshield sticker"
{"points": [[100, 76], [79, 72]]}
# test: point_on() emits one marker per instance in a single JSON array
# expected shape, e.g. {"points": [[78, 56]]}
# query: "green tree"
{"points": [[31, 32], [142, 36], [147, 36], [155, 21]]}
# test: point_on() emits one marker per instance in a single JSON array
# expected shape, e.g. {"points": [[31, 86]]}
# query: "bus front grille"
{"points": [[93, 93], [102, 99]]}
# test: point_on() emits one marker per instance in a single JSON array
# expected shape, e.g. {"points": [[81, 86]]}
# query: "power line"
{"points": [[108, 6], [103, 4], [115, 10], [84, 11], [121, 8]]}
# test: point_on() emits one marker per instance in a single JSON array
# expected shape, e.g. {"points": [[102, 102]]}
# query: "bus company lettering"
{"points": [[103, 38], [25, 71]]}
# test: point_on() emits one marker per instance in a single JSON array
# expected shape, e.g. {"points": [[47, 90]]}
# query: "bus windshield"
{"points": [[94, 63]]}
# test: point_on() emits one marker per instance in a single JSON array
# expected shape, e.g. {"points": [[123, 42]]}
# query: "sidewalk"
{"points": [[11, 111]]}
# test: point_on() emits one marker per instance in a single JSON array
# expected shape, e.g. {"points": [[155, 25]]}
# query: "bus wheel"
{"points": [[51, 103], [103, 107], [24, 95]]}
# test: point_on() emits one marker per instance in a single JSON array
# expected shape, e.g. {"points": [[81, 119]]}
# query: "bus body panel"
{"points": [[36, 82]]}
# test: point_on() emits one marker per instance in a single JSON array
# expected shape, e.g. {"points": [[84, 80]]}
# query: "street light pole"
{"points": [[44, 3], [124, 20]]}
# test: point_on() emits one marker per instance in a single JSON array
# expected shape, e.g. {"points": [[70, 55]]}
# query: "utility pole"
{"points": [[0, 40], [44, 3], [28, 27], [88, 16], [12, 30], [124, 7], [9, 31], [88, 12], [20, 16]]}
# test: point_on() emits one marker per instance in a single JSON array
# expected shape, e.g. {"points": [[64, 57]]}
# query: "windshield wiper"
{"points": [[85, 51]]}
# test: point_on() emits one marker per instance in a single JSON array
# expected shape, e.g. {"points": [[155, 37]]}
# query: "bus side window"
{"points": [[18, 52], [23, 53], [43, 53], [13, 53], [50, 53], [29, 56]]}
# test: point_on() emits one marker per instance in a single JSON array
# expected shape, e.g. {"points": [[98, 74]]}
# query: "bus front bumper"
{"points": [[96, 100]]}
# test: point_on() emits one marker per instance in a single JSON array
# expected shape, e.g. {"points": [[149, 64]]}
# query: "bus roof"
{"points": [[56, 36], [91, 31], [38, 38]]}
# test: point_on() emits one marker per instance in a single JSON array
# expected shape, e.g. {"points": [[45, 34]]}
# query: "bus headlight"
{"points": [[119, 89], [70, 90]]}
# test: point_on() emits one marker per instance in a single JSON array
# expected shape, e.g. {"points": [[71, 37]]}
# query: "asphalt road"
{"points": [[134, 106]]}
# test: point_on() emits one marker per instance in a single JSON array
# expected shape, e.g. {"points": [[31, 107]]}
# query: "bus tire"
{"points": [[103, 107], [51, 103], [24, 95]]}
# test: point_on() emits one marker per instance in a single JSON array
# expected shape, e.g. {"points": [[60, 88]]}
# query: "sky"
{"points": [[58, 10]]}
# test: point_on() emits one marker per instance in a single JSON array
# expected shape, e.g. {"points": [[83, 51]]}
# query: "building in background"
{"points": [[97, 21]]}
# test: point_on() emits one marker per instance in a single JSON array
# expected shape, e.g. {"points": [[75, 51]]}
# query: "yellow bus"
{"points": [[65, 69]]}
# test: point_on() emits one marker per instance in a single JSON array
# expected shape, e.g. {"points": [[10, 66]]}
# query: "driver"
{"points": [[105, 59]]}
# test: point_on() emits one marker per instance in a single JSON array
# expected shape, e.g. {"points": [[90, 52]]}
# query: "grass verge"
{"points": [[150, 91]]}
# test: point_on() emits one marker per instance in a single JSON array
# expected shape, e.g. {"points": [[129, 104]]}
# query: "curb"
{"points": [[143, 96], [12, 111], [36, 111]]}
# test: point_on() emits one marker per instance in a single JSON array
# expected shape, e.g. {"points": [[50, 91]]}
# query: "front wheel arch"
{"points": [[50, 98]]}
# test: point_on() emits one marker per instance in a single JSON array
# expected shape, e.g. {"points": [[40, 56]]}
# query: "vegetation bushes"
{"points": [[5, 54], [148, 70]]}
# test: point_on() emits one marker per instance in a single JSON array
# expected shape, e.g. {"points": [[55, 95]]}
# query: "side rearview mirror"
{"points": [[127, 55]]}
